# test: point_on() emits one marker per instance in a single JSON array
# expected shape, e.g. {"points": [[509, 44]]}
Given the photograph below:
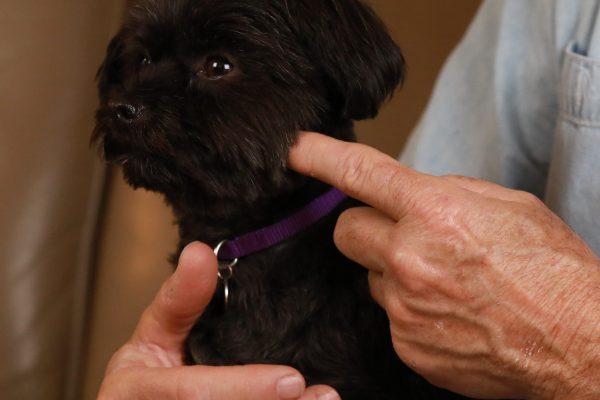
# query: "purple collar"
{"points": [[285, 229]]}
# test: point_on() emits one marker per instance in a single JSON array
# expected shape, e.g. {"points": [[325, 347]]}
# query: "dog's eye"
{"points": [[146, 60], [216, 67]]}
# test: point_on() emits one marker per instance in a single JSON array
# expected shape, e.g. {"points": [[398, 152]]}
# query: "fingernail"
{"points": [[290, 387], [329, 396]]}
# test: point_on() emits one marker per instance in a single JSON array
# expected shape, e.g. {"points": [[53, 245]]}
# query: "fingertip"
{"points": [[290, 387], [197, 269], [320, 392], [304, 148], [197, 254], [197, 262]]}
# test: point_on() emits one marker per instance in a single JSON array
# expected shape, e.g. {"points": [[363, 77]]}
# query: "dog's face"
{"points": [[207, 95]]}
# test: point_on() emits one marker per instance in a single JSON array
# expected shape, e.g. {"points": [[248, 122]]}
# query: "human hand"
{"points": [[150, 365], [489, 294]]}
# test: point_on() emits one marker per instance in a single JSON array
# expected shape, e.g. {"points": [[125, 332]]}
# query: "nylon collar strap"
{"points": [[269, 236]]}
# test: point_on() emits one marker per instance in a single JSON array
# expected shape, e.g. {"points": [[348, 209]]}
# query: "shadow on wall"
{"points": [[427, 31]]}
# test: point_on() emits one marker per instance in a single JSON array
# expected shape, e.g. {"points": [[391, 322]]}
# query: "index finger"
{"points": [[360, 171]]}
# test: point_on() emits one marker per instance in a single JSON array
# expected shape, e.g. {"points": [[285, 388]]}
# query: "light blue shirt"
{"points": [[518, 103]]}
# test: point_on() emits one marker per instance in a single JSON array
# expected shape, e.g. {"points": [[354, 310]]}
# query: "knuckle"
{"points": [[360, 166], [417, 286], [396, 254], [405, 352], [461, 179], [441, 203], [376, 288], [529, 199], [347, 220], [400, 349], [406, 269], [346, 224], [353, 168], [395, 258], [397, 312], [395, 309], [434, 202]]}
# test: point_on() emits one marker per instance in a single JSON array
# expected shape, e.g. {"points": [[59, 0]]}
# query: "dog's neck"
{"points": [[230, 218], [285, 229]]}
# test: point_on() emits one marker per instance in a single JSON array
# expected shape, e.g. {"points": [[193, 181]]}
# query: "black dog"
{"points": [[201, 101]]}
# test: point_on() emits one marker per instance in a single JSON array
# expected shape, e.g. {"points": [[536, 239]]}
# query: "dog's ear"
{"points": [[112, 64], [354, 50]]}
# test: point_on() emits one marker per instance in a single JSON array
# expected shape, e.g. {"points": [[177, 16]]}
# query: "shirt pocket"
{"points": [[573, 190]]}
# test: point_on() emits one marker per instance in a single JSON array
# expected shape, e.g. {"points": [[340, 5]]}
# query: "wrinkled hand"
{"points": [[489, 294], [150, 365]]}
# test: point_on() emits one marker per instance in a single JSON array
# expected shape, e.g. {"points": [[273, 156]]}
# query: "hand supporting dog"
{"points": [[150, 364], [489, 294]]}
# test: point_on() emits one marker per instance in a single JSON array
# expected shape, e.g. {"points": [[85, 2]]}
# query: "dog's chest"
{"points": [[305, 305], [301, 304], [282, 303]]}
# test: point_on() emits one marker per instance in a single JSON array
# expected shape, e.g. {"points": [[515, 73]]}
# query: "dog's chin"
{"points": [[149, 172], [116, 154]]}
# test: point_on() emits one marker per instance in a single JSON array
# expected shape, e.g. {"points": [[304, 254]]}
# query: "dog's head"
{"points": [[208, 95]]}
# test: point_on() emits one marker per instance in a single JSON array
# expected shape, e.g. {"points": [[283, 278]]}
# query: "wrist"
{"points": [[572, 366]]}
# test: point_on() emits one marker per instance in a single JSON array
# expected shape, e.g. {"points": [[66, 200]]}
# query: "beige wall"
{"points": [[49, 52], [426, 30]]}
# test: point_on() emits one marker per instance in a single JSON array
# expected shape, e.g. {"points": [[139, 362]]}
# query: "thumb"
{"points": [[250, 382], [180, 301]]}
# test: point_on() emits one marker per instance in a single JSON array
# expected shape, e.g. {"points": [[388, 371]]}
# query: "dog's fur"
{"points": [[216, 144]]}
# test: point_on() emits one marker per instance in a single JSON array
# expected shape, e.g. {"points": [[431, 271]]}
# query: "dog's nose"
{"points": [[127, 112]]}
